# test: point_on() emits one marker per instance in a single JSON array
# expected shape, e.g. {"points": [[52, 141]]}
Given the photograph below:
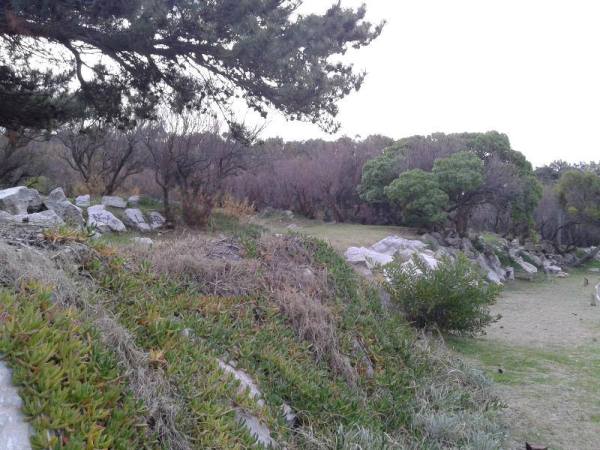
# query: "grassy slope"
{"points": [[183, 332]]}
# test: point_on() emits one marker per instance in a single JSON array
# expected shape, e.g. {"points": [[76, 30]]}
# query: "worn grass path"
{"points": [[544, 355]]}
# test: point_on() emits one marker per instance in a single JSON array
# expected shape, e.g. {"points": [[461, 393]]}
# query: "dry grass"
{"points": [[240, 209], [284, 271]]}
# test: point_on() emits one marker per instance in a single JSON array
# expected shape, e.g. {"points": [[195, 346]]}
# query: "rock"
{"points": [[14, 429], [293, 227], [510, 274], [83, 201], [44, 219], [370, 258], [104, 220], [143, 241], [20, 200], [523, 265], [596, 296], [486, 268], [114, 202], [391, 244], [291, 419], [156, 220], [549, 268], [7, 218], [288, 214], [134, 218], [134, 201], [595, 270], [68, 212], [537, 261], [259, 431]]}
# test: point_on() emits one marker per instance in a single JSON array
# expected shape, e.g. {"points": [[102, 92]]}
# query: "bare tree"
{"points": [[190, 155], [103, 157], [18, 157]]}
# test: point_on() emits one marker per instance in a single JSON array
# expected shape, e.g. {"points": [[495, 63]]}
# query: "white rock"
{"points": [[133, 201], [104, 220], [247, 385], [143, 241], [7, 218], [258, 430], [114, 202], [14, 430], [156, 220], [45, 219], [596, 296], [135, 219], [391, 244], [20, 200], [83, 201], [68, 212], [490, 273]]}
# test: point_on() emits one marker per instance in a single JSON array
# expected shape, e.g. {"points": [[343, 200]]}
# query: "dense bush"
{"points": [[453, 297]]}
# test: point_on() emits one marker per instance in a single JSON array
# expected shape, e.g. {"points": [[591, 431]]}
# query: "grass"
{"points": [[339, 235], [74, 397]]}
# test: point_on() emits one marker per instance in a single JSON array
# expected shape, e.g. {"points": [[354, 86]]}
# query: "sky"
{"points": [[527, 68]]}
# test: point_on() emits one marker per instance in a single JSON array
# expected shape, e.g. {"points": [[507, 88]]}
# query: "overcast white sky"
{"points": [[528, 68]]}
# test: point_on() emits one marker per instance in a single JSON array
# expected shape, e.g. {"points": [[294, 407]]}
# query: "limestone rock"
{"points": [[68, 212], [156, 220], [14, 430], [44, 219], [134, 201], [20, 200], [143, 241], [114, 202], [134, 218], [104, 220], [83, 201]]}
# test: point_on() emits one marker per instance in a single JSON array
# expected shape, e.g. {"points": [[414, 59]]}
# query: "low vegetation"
{"points": [[453, 297]]}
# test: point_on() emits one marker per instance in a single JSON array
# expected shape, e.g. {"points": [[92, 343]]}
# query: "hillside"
{"points": [[244, 341]]}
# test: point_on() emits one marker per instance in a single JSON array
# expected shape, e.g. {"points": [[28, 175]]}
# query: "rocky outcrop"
{"points": [[20, 200], [57, 201], [134, 218], [113, 201], [103, 220], [390, 249]]}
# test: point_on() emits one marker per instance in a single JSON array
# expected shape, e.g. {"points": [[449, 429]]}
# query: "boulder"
{"points": [[44, 219], [134, 201], [104, 220], [134, 218], [156, 220], [391, 244], [143, 241], [536, 260], [83, 201], [114, 202], [491, 274], [367, 257], [68, 212], [552, 269], [7, 218], [20, 200]]}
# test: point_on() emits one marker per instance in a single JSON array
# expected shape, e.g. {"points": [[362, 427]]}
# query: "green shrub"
{"points": [[453, 297]]}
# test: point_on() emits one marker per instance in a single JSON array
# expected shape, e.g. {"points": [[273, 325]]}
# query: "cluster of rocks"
{"points": [[499, 259], [21, 205]]}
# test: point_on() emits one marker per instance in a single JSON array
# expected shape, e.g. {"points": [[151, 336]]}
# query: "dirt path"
{"points": [[544, 355]]}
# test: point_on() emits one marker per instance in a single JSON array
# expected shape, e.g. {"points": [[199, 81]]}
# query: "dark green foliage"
{"points": [[188, 54], [73, 394], [453, 298], [421, 200], [579, 195], [473, 169]]}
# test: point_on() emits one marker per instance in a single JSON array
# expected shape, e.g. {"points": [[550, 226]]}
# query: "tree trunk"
{"points": [[167, 205]]}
